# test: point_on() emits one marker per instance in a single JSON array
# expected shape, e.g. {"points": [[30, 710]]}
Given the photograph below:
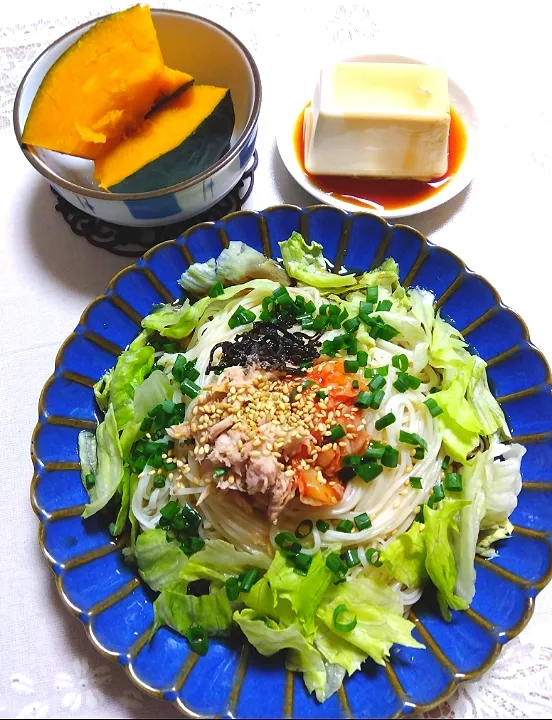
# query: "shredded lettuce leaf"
{"points": [[152, 392], [440, 562], [109, 471], [235, 265], [304, 592], [199, 278], [122, 515], [219, 560], [378, 609], [268, 638], [239, 263], [469, 408], [159, 562], [490, 535], [405, 557], [179, 611], [101, 390], [307, 264], [87, 454], [130, 371]]}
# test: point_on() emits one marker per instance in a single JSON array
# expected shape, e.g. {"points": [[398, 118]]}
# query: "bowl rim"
{"points": [[56, 179]]}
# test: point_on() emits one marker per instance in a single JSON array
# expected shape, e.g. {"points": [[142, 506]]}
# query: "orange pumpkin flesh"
{"points": [[101, 87]]}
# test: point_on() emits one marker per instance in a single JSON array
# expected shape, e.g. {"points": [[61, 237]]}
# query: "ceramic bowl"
{"points": [[233, 680], [213, 56]]}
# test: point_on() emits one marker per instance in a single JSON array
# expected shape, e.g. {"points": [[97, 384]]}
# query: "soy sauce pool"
{"points": [[381, 194]]}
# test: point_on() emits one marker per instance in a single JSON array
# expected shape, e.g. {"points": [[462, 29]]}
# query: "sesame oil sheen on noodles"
{"points": [[385, 194]]}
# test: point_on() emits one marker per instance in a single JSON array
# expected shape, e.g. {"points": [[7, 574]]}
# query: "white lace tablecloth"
{"points": [[501, 226]]}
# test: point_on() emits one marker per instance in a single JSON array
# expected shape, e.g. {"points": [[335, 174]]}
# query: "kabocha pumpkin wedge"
{"points": [[179, 140], [101, 87]]}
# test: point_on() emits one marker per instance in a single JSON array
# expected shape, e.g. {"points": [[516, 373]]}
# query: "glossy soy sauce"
{"points": [[382, 194]]}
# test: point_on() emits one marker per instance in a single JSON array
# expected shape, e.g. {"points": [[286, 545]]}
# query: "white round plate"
{"points": [[302, 93]]}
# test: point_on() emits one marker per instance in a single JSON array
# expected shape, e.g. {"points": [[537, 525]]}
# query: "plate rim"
{"points": [[457, 678]]}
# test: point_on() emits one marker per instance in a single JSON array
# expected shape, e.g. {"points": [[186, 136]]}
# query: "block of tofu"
{"points": [[387, 120]]}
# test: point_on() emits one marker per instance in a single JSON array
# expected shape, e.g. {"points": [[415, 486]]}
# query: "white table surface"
{"points": [[501, 227]]}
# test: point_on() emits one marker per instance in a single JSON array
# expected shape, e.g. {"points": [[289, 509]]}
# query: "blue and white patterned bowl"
{"points": [[233, 680], [213, 56]]}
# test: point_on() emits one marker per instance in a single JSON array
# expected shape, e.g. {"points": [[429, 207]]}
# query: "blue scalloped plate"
{"points": [[231, 680]]}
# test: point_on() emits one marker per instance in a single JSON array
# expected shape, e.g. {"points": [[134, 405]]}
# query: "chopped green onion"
{"points": [[189, 388], [362, 358], [351, 558], [346, 626], [307, 322], [364, 399], [390, 457], [355, 384], [413, 382], [351, 324], [378, 399], [170, 510], [369, 372], [363, 522], [370, 552], [250, 578], [321, 395], [438, 493], [192, 516], [232, 588], [336, 433], [383, 370], [147, 424], [346, 474], [170, 348], [384, 305], [419, 454], [350, 366], [310, 307], [373, 453], [416, 482], [372, 294], [387, 332], [287, 542], [445, 463], [216, 290], [420, 441], [302, 561], [351, 460], [327, 348], [336, 565], [319, 323], [401, 383], [242, 316], [377, 382], [178, 368], [307, 383], [322, 526], [408, 438], [420, 515], [368, 471], [305, 365], [220, 472], [433, 407], [453, 482], [333, 309], [197, 637], [344, 526], [159, 481], [304, 529], [385, 421], [90, 480]]}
